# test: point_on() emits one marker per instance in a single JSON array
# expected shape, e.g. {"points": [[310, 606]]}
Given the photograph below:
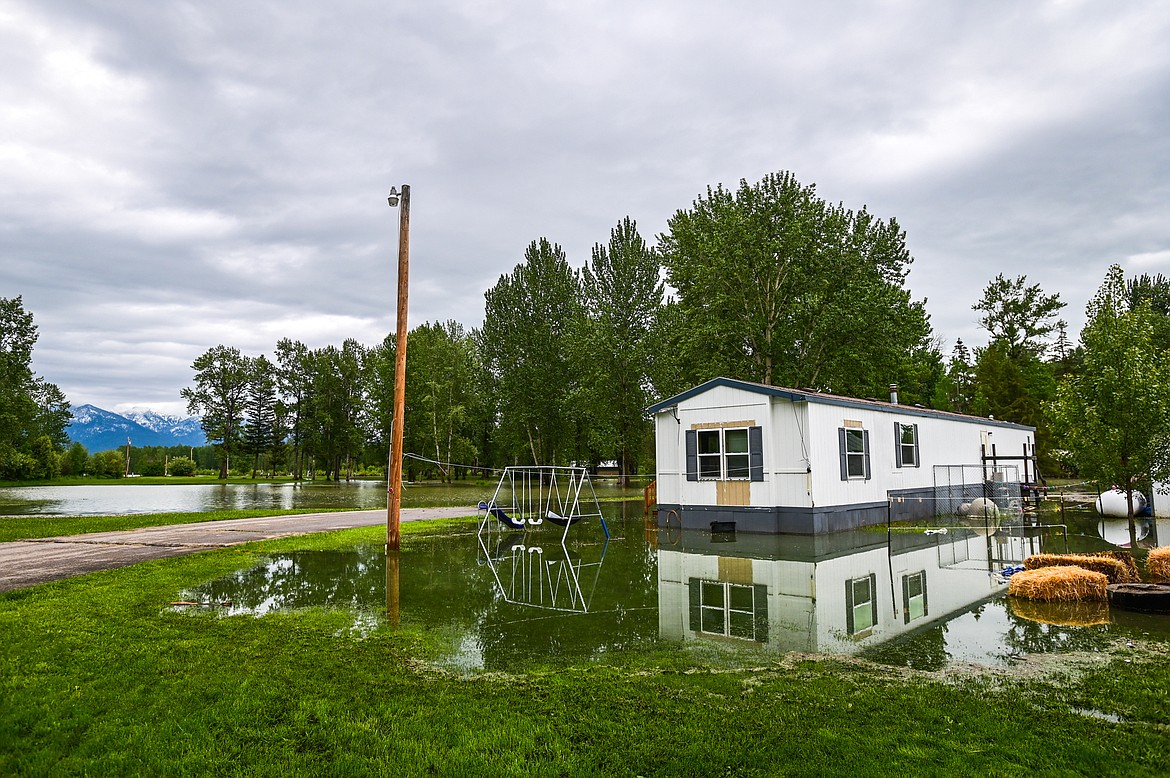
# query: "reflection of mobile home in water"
{"points": [[838, 593], [775, 460]]}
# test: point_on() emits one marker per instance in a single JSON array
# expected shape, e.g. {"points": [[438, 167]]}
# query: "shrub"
{"points": [[181, 466]]}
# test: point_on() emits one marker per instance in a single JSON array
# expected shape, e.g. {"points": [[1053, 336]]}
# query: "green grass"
{"points": [[33, 526], [99, 677]]}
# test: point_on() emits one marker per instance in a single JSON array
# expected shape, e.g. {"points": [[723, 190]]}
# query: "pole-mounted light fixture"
{"points": [[392, 198]]}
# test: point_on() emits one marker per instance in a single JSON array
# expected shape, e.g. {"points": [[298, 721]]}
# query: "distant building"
{"points": [[767, 459]]}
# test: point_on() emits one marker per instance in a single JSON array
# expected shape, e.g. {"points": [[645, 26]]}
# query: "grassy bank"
{"points": [[99, 677], [29, 527]]}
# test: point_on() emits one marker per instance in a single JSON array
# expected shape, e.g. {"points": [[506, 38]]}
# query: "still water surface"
{"points": [[505, 600]]}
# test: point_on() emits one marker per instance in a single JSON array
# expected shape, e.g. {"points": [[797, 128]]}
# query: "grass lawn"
{"points": [[99, 677]]}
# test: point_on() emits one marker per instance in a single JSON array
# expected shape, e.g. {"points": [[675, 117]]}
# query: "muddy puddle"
{"points": [[501, 600]]}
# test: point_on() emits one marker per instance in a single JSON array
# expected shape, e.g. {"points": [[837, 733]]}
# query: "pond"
{"points": [[503, 600], [130, 498]]}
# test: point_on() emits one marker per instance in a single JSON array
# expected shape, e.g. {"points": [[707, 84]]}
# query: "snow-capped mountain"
{"points": [[101, 430], [177, 426]]}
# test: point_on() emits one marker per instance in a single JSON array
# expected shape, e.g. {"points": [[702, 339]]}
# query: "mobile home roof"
{"points": [[798, 396]]}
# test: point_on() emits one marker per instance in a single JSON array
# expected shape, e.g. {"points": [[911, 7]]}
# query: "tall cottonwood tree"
{"points": [[222, 378], [775, 285], [1116, 410], [526, 345], [337, 419], [445, 407], [622, 291]]}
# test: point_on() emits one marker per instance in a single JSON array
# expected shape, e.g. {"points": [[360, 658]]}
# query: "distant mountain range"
{"points": [[102, 430]]}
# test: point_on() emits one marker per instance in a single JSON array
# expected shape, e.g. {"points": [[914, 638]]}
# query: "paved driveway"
{"points": [[29, 562]]}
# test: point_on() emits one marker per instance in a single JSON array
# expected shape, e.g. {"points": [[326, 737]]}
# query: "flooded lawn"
{"points": [[504, 600]]}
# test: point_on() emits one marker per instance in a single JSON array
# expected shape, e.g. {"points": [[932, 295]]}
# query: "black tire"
{"points": [[1145, 597]]}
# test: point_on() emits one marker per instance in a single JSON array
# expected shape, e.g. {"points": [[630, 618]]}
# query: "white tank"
{"points": [[1113, 503]]}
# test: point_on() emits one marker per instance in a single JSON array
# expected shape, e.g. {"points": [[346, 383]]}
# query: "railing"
{"points": [[649, 497]]}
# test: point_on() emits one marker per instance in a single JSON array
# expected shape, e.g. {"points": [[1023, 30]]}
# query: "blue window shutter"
{"points": [[897, 444], [692, 455], [865, 446], [917, 454], [844, 458], [756, 453]]}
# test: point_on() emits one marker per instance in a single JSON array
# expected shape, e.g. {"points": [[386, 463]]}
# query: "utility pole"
{"points": [[394, 477]]}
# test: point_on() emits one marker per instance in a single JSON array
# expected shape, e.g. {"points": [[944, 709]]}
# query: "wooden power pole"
{"points": [[394, 477]]}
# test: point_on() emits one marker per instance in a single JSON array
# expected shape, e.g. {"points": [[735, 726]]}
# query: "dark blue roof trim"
{"points": [[827, 399]]}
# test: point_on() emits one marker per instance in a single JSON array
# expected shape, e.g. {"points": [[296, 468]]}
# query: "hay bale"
{"points": [[1061, 614], [1158, 565], [1111, 567], [1060, 584], [1126, 558]]}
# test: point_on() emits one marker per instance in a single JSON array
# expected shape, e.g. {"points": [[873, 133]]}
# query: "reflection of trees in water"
{"points": [[1033, 637], [303, 579], [925, 650]]}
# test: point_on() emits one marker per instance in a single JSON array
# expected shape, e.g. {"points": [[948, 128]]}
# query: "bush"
{"points": [[108, 464], [74, 460], [181, 466]]}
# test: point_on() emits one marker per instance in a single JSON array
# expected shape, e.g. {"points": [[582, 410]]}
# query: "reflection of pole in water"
{"points": [[392, 604]]}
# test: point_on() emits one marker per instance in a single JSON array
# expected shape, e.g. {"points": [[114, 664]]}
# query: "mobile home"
{"points": [[759, 458]]}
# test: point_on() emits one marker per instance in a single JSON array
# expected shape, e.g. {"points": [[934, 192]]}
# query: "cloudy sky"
{"points": [[176, 175]]}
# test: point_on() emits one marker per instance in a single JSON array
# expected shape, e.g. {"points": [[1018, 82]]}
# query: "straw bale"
{"points": [[1063, 584], [1158, 565], [1061, 614], [1113, 568]]}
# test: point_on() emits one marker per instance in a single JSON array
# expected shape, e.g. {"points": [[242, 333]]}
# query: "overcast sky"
{"points": [[176, 175]]}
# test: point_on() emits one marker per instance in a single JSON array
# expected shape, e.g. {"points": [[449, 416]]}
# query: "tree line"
{"points": [[765, 282]]}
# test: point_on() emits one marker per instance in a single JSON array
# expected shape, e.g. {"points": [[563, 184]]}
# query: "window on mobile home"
{"points": [[907, 444], [854, 445], [725, 454]]}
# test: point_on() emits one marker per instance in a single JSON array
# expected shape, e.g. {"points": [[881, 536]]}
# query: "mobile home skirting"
{"points": [[789, 520]]}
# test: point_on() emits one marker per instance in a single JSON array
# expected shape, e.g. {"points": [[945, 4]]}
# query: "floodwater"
{"points": [[128, 498], [502, 600]]}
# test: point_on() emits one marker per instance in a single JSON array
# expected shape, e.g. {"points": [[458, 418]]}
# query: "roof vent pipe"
{"points": [[894, 394]]}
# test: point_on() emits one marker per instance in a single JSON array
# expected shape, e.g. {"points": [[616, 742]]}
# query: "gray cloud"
{"points": [[177, 175]]}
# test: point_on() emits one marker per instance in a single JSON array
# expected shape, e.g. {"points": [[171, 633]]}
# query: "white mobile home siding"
{"points": [[802, 488]]}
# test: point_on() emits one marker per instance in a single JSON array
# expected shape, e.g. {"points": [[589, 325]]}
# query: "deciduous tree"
{"points": [[622, 291], [776, 285], [222, 376], [1116, 410], [525, 344]]}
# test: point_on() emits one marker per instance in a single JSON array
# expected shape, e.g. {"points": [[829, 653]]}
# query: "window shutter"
{"points": [[844, 458], [897, 444], [848, 605], [865, 445], [692, 455], [695, 611], [925, 596], [905, 599], [917, 454], [756, 453], [873, 597], [761, 613]]}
